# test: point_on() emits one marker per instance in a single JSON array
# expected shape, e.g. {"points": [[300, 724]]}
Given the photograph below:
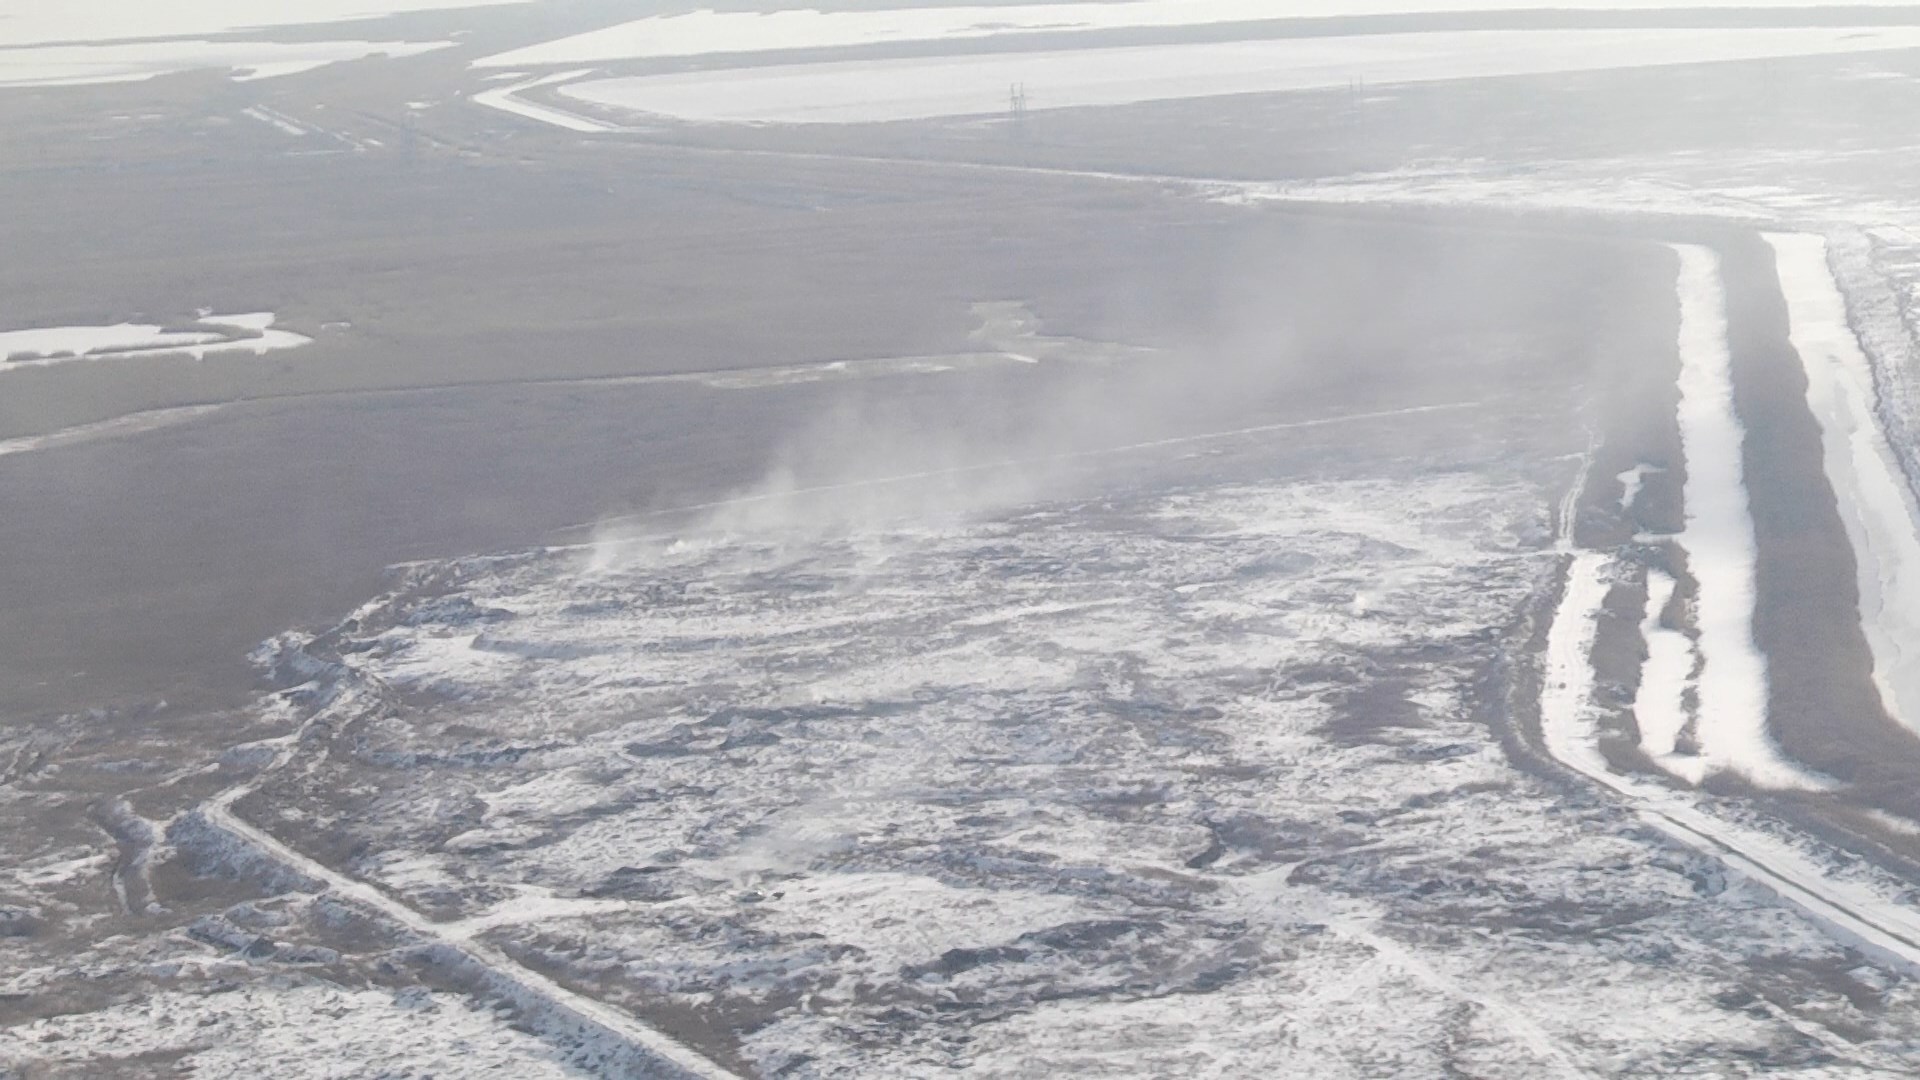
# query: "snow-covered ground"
{"points": [[1860, 905], [54, 22], [79, 42], [44, 347], [1847, 276], [882, 90], [116, 62], [1851, 197], [1731, 724], [1809, 189], [298, 1031], [1718, 667], [1568, 684], [1174, 781], [1660, 703], [507, 99], [1875, 502], [706, 32]]}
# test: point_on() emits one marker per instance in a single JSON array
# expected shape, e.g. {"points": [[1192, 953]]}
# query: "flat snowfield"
{"points": [[75, 65], [706, 32], [75, 21], [847, 92], [90, 42]]}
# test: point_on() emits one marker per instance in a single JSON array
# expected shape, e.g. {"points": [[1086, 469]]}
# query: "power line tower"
{"points": [[1017, 109]]}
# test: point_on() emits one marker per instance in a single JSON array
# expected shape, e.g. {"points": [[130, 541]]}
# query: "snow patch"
{"points": [[1659, 707], [1632, 481], [922, 88], [1566, 694], [19, 346], [250, 332]]}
